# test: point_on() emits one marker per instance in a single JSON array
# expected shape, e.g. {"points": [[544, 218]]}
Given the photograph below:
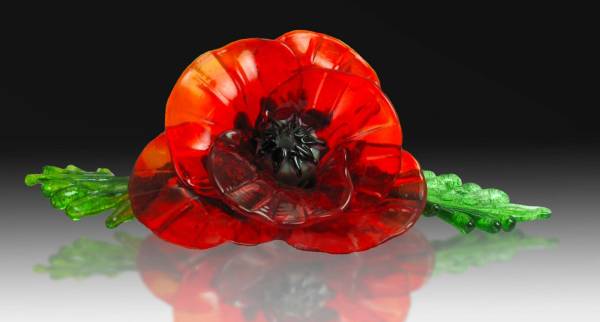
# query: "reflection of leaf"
{"points": [[82, 193], [86, 257], [468, 206], [457, 254]]}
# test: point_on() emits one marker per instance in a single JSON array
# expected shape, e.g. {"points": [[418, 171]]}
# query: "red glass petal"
{"points": [[257, 194], [371, 221], [316, 49], [353, 113], [193, 185], [176, 214], [217, 87]]}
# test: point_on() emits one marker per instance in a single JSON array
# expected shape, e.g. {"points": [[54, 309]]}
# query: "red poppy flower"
{"points": [[275, 283], [289, 139]]}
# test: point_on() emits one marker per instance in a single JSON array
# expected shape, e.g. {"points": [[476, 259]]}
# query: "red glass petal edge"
{"points": [[321, 50], [174, 213]]}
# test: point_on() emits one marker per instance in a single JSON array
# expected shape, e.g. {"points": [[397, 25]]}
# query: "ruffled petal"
{"points": [[174, 213], [257, 194], [218, 88], [348, 111], [194, 187], [372, 221], [320, 50]]}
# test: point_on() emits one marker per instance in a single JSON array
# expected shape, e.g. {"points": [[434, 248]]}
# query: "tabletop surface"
{"points": [[545, 271]]}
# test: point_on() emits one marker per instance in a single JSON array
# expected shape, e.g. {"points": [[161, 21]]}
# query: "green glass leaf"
{"points": [[466, 205], [122, 213], [81, 193], [461, 221]]}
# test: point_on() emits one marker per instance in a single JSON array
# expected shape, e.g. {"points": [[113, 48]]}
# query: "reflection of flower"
{"points": [[288, 139], [274, 283]]}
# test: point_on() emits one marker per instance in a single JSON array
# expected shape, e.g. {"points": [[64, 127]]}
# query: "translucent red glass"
{"points": [[272, 282], [198, 184]]}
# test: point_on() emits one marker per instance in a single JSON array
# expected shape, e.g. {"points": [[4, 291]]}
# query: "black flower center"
{"points": [[291, 149]]}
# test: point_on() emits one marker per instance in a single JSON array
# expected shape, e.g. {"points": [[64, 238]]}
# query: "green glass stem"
{"points": [[81, 193]]}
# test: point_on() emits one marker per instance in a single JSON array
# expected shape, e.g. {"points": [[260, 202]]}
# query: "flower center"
{"points": [[291, 150]]}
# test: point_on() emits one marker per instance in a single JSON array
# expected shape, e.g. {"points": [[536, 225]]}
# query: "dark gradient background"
{"points": [[500, 95]]}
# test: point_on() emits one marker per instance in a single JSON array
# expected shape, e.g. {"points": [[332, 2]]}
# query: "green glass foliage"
{"points": [[87, 257], [81, 193], [467, 206], [458, 254]]}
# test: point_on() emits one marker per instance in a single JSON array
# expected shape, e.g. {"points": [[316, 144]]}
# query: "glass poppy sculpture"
{"points": [[289, 139]]}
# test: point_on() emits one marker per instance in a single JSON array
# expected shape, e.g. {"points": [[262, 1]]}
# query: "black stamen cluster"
{"points": [[289, 140]]}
